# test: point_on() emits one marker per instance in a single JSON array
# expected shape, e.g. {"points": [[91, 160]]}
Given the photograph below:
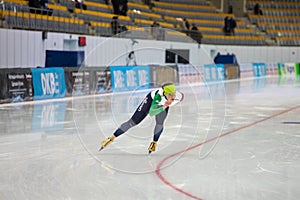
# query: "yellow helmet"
{"points": [[169, 88]]}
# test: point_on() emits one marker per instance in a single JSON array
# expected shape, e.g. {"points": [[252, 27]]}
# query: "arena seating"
{"points": [[44, 22], [17, 14], [280, 20], [208, 21]]}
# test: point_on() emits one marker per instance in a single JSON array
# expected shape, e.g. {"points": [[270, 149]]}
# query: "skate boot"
{"points": [[106, 142], [152, 147]]}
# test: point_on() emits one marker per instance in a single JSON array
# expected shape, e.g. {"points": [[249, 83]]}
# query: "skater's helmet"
{"points": [[169, 88]]}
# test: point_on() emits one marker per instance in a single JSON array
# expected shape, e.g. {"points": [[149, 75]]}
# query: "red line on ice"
{"points": [[158, 168]]}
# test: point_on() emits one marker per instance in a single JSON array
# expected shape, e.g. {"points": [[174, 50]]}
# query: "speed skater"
{"points": [[156, 103]]}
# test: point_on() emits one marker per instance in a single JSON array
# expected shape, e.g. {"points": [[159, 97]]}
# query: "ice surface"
{"points": [[223, 142]]}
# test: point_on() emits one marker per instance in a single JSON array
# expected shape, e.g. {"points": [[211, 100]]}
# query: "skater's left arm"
{"points": [[156, 108]]}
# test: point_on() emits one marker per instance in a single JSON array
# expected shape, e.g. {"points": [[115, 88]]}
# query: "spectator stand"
{"points": [[279, 20], [17, 14], [209, 22], [276, 24]]}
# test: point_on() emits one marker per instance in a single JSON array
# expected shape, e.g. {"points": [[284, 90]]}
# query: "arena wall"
{"points": [[26, 49]]}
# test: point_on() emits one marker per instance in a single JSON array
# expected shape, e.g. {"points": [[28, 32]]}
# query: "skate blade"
{"points": [[100, 148]]}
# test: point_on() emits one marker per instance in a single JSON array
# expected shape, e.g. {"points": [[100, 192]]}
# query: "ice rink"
{"points": [[234, 141]]}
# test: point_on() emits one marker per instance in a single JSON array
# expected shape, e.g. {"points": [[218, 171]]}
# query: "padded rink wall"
{"points": [[19, 85], [221, 72]]}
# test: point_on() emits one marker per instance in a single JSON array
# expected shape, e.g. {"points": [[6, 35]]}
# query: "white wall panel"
{"points": [[10, 37], [40, 50], [27, 49], [3, 48], [294, 54], [285, 54], [270, 54], [31, 50], [17, 49]]}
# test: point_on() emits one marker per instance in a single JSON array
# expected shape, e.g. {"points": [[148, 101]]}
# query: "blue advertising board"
{"points": [[124, 78], [259, 69], [48, 83], [214, 72]]}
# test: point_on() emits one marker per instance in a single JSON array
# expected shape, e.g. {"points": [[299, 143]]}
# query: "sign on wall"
{"points": [[288, 69], [259, 69], [214, 72], [48, 83], [19, 85], [126, 78], [15, 85]]}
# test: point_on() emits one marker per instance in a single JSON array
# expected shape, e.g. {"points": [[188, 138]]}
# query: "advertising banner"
{"points": [[124, 78], [3, 88], [246, 70], [190, 74], [272, 68], [231, 71], [164, 74], [78, 81], [16, 85], [101, 80], [259, 69], [87, 80], [48, 83], [214, 72], [220, 72], [288, 69], [69, 79]]}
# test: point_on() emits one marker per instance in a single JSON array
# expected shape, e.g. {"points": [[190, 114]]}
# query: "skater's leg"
{"points": [[138, 116], [124, 127], [159, 127]]}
